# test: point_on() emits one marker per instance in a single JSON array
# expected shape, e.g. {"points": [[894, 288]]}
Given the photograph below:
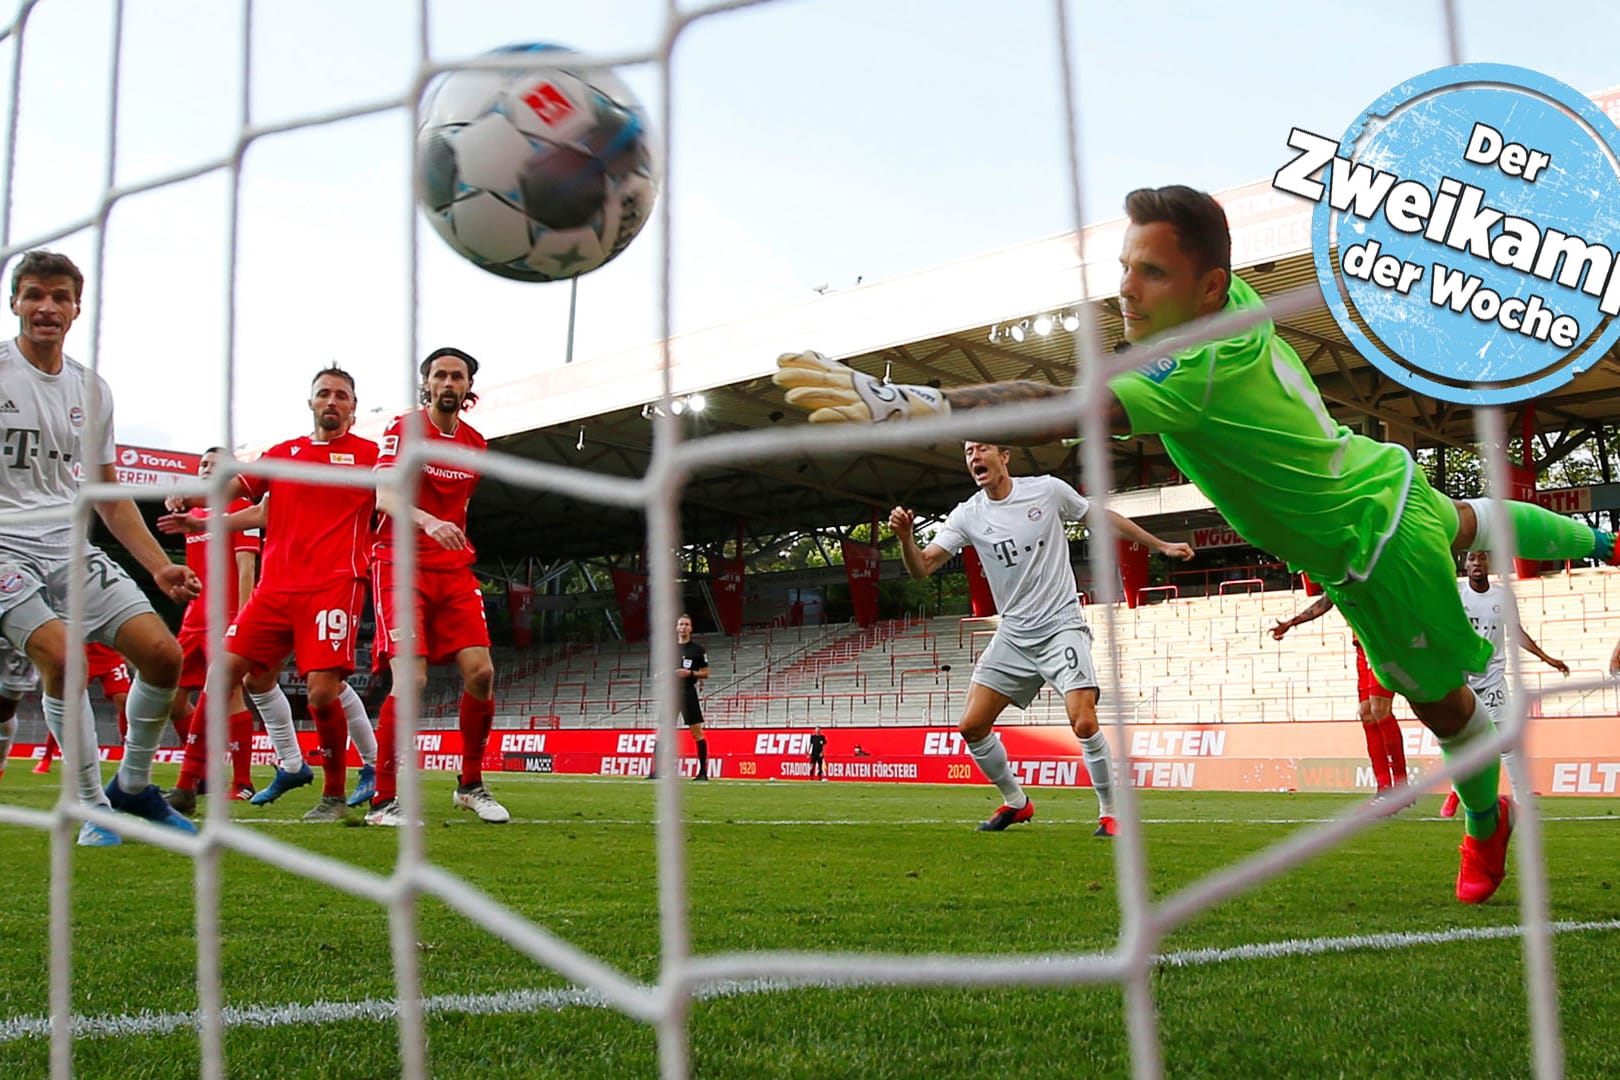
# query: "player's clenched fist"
{"points": [[834, 392], [900, 521]]}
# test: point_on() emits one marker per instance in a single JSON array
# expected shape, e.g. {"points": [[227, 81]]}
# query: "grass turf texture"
{"points": [[863, 868]]}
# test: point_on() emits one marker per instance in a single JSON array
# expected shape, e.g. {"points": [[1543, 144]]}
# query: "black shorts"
{"points": [[691, 711]]}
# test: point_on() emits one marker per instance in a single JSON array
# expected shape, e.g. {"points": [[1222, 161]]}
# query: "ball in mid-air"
{"points": [[537, 174]]}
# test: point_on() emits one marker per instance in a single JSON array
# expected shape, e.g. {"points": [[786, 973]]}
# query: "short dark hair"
{"points": [[217, 450], [466, 358], [333, 369], [1198, 219], [41, 263]]}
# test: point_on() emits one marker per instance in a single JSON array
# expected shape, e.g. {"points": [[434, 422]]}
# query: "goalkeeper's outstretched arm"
{"points": [[836, 393]]}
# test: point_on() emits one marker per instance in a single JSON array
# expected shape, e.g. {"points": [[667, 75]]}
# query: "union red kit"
{"points": [[316, 535], [195, 619], [317, 539], [108, 666], [444, 491], [449, 604]]}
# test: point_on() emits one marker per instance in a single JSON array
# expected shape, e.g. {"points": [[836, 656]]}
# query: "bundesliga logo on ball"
{"points": [[537, 174]]}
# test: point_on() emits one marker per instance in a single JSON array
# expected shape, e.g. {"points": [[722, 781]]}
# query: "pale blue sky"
{"points": [[814, 141]]}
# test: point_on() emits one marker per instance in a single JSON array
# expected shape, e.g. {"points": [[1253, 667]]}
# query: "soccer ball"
{"points": [[540, 174]]}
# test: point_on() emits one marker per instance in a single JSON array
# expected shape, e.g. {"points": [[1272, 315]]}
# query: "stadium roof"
{"points": [[932, 326]]}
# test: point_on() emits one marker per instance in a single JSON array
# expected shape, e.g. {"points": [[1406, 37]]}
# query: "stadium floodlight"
{"points": [[1016, 330], [995, 333], [697, 402], [1043, 324], [677, 405], [1071, 321]]}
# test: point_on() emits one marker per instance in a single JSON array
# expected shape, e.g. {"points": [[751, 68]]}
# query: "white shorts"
{"points": [[1017, 672], [1494, 696], [33, 592], [17, 675]]}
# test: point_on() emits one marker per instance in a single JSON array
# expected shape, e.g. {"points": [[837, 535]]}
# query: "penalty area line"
{"points": [[517, 1002]]}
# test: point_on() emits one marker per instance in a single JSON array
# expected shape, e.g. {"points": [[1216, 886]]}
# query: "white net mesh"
{"points": [[667, 1003]]}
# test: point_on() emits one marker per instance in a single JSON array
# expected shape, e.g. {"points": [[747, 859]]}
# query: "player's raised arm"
{"points": [[183, 524], [1536, 650], [1318, 608], [920, 562], [1134, 532], [179, 504]]}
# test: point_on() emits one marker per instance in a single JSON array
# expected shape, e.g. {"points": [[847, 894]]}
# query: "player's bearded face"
{"points": [[1160, 285], [333, 403], [448, 384]]}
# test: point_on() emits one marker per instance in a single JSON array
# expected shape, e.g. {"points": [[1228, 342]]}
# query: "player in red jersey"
{"points": [[1386, 746], [449, 607], [309, 596], [243, 547]]}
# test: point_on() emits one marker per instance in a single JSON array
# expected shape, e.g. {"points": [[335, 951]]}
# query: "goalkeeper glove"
{"points": [[835, 392]]}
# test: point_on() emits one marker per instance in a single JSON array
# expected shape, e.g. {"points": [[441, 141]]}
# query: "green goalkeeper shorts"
{"points": [[1408, 614]]}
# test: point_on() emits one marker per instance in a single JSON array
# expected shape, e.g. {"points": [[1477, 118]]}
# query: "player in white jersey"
{"points": [[1017, 526], [48, 402], [1485, 601]]}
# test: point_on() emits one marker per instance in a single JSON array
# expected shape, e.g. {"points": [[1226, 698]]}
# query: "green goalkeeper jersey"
{"points": [[1243, 420]]}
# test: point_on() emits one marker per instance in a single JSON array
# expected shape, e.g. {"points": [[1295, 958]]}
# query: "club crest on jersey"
{"points": [[10, 582], [1160, 369], [342, 459], [1034, 513], [76, 416], [390, 445]]}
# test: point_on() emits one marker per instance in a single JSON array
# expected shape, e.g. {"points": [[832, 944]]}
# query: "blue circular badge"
{"points": [[1466, 232]]}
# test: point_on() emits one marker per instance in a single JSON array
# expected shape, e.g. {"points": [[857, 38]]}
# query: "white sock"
{"points": [[276, 712], [89, 772], [361, 732], [1100, 766], [8, 731], [146, 711], [992, 759]]}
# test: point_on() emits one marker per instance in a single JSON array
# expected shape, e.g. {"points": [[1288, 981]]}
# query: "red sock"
{"points": [[241, 727], [51, 749], [195, 765], [182, 726], [477, 716], [1394, 747], [1377, 754], [387, 767], [333, 731]]}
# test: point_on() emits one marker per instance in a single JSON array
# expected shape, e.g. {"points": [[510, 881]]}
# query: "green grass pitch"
{"points": [[840, 867]]}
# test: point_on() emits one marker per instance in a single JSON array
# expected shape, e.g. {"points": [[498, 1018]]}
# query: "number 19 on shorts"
{"points": [[332, 625]]}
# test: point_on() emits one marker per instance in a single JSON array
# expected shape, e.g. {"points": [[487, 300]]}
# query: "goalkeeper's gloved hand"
{"points": [[835, 392]]}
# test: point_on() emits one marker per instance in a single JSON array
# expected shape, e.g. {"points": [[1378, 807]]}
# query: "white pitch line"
{"points": [[146, 1023], [840, 822]]}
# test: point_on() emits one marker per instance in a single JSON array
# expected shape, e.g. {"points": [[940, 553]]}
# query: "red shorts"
{"points": [[193, 658], [449, 612], [1367, 684], [106, 665], [317, 628]]}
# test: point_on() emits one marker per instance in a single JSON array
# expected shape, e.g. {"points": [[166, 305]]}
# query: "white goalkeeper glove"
{"points": [[835, 392]]}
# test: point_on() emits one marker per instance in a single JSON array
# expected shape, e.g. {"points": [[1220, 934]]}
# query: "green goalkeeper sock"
{"points": [[1477, 793], [1542, 534]]}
